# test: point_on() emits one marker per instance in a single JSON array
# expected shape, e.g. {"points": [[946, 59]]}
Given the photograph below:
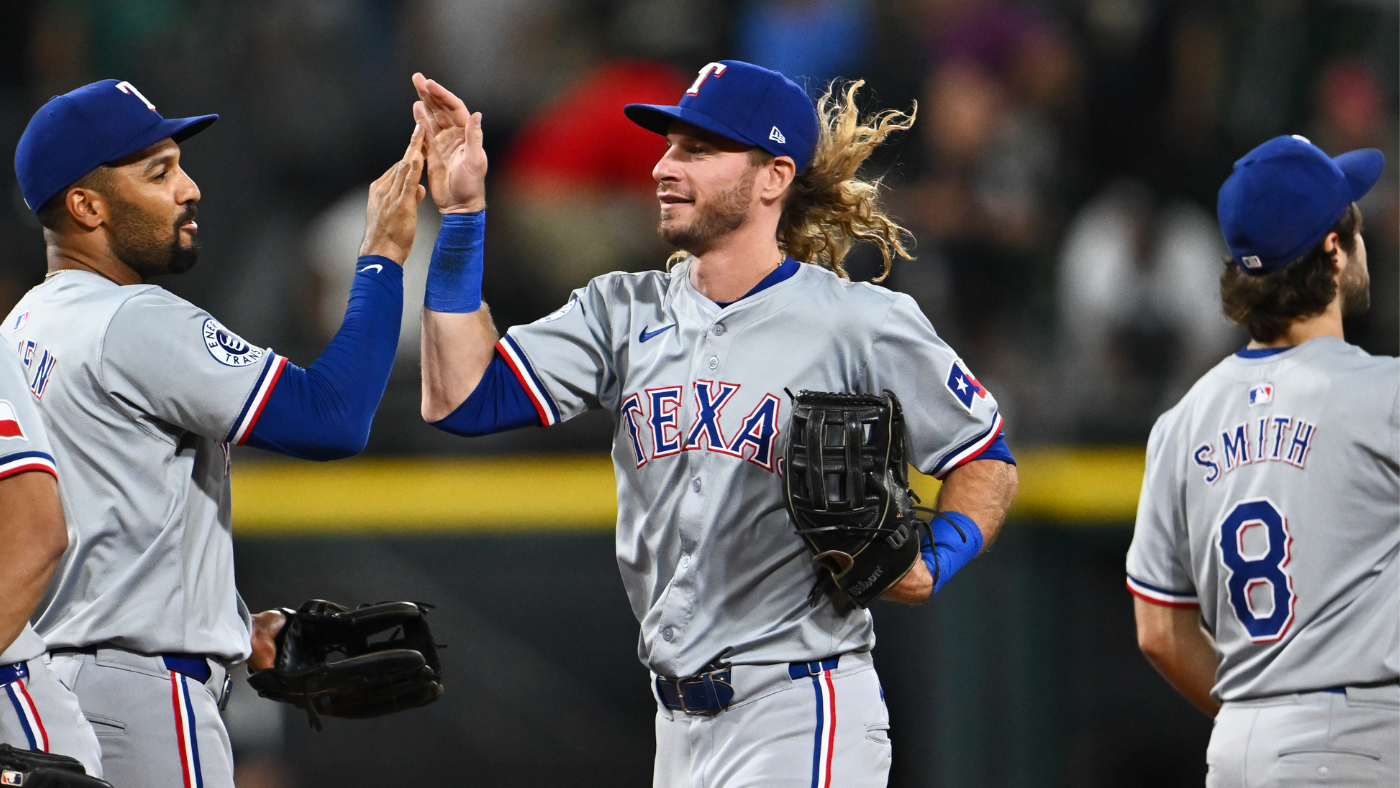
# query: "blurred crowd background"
{"points": [[1060, 182]]}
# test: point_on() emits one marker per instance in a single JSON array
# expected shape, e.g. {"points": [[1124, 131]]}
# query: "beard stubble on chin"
{"points": [[714, 219], [149, 246]]}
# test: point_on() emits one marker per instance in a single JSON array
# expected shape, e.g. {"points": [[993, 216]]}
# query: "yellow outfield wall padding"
{"points": [[578, 493]]}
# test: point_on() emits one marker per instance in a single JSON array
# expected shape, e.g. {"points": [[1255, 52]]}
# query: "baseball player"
{"points": [[41, 714], [757, 680], [1264, 558], [142, 394]]}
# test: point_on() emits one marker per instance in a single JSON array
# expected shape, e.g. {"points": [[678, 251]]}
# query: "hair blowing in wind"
{"points": [[828, 208]]}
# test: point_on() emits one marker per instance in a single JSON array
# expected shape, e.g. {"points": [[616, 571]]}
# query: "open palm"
{"points": [[456, 164]]}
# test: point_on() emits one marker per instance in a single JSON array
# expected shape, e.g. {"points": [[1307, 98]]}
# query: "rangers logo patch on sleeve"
{"points": [[560, 312], [963, 385], [227, 347]]}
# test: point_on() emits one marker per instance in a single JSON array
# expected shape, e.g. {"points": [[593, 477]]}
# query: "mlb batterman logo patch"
{"points": [[1261, 394], [8, 777], [227, 347]]}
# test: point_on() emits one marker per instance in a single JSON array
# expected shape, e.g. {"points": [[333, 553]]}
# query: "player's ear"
{"points": [[1340, 258], [781, 172], [87, 207]]}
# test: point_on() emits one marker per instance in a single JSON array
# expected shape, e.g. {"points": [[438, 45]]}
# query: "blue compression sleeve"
{"points": [[498, 403], [956, 541], [323, 412], [454, 275]]}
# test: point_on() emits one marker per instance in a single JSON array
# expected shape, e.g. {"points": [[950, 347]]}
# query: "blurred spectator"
{"points": [[810, 41], [1139, 309], [332, 245], [577, 197]]}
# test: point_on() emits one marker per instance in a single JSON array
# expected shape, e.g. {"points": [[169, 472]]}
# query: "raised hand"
{"points": [[392, 217], [456, 161]]}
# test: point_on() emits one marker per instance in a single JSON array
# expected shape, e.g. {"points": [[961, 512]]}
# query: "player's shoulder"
{"points": [[629, 286]]}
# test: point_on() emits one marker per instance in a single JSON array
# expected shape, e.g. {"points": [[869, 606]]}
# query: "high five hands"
{"points": [[392, 216], [456, 161]]}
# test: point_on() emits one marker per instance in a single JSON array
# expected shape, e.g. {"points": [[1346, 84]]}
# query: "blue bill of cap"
{"points": [[1362, 169], [177, 129], [657, 118]]}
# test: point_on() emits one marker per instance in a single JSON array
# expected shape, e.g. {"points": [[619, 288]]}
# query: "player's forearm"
{"points": [[983, 490], [1172, 640], [31, 525], [456, 350]]}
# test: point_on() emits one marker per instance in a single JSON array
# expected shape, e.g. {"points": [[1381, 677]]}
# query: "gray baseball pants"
{"points": [[831, 729], [1349, 738], [158, 728], [38, 713]]}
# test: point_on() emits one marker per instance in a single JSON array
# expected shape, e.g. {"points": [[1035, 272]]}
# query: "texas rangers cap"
{"points": [[75, 133], [746, 103], [1285, 195]]}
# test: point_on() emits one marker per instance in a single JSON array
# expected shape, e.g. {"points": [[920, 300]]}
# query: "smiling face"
{"points": [[152, 211], [705, 184]]}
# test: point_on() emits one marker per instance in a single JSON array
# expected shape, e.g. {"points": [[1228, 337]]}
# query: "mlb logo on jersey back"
{"points": [[19, 322], [9, 422], [963, 385], [1261, 394]]}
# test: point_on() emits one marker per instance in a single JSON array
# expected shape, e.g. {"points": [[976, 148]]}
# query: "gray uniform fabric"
{"points": [[707, 552], [766, 737], [1272, 500], [1317, 738], [157, 728], [141, 392], [36, 711]]}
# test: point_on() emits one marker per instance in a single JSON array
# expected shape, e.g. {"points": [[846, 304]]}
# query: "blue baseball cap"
{"points": [[745, 103], [79, 131], [1285, 195]]}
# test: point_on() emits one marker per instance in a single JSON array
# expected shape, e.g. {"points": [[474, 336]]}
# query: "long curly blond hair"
{"points": [[827, 208]]}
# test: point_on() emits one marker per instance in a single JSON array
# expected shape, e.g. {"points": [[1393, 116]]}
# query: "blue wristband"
{"points": [[956, 541], [454, 275]]}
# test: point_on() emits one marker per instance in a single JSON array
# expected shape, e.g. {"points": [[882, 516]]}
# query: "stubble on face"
{"points": [[1355, 286], [715, 217], [148, 245]]}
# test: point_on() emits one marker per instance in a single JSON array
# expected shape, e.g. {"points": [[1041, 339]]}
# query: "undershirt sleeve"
{"points": [[498, 403]]}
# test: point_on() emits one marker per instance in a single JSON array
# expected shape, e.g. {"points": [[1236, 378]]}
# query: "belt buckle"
{"points": [[680, 694]]}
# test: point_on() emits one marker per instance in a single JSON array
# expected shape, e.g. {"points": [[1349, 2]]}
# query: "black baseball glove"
{"points": [[847, 489], [368, 662], [44, 770]]}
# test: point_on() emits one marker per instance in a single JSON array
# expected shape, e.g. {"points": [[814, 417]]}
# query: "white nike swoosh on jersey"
{"points": [[375, 266]]}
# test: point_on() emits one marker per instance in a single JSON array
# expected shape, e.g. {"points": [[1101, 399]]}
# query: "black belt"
{"points": [[707, 693], [195, 666]]}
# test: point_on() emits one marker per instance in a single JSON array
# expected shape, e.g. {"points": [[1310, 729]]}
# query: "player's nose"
{"points": [[666, 168], [188, 191]]}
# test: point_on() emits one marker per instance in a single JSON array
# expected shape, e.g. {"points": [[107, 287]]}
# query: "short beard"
{"points": [[1355, 284], [148, 246], [716, 218]]}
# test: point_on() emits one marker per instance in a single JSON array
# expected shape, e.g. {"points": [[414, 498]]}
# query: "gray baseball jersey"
{"points": [[24, 446], [1272, 501], [141, 393], [708, 555]]}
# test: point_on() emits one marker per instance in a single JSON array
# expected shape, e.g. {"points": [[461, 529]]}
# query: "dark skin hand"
{"points": [[266, 625], [982, 490]]}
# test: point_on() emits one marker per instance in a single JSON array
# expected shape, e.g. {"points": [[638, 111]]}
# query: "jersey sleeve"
{"points": [[950, 418], [171, 360], [1158, 559], [564, 361], [24, 446]]}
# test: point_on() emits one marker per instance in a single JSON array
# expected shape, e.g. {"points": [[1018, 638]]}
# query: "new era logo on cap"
{"points": [[777, 136], [1251, 261]]}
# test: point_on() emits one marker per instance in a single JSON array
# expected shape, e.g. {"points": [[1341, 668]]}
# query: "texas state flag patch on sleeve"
{"points": [[963, 385], [9, 422]]}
